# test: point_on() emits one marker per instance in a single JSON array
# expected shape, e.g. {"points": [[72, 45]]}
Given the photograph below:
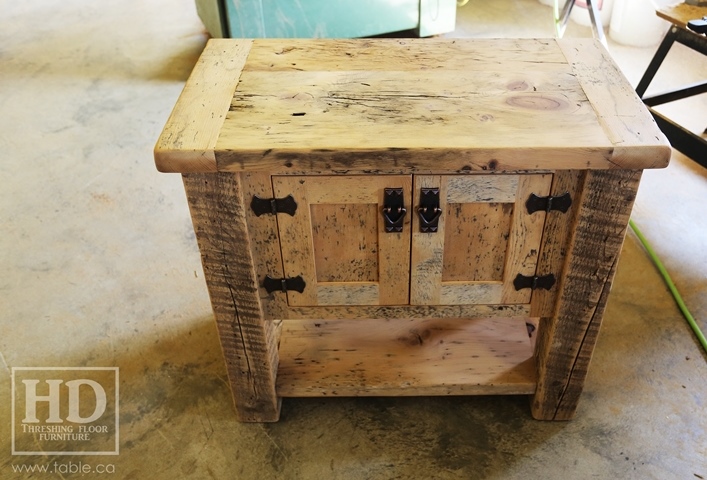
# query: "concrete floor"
{"points": [[100, 268]]}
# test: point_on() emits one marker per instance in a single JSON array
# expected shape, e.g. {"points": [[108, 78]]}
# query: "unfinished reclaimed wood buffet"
{"points": [[409, 217]]}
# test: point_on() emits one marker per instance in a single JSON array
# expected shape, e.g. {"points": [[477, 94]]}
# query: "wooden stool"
{"points": [[409, 217]]}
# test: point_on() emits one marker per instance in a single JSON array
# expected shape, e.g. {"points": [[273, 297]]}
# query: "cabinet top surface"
{"points": [[408, 105]]}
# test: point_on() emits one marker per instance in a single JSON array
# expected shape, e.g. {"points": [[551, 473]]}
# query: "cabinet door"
{"points": [[338, 243], [485, 238]]}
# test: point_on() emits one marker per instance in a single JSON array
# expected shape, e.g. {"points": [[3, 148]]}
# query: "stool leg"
{"points": [[562, 17], [566, 340], [657, 60], [597, 27], [249, 342]]}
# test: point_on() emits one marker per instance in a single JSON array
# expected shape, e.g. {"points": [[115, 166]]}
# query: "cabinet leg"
{"points": [[566, 340], [249, 342]]}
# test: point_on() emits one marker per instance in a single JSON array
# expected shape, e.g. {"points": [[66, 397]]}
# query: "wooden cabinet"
{"points": [[409, 217]]}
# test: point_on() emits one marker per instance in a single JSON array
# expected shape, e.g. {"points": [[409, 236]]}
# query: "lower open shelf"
{"points": [[395, 357]]}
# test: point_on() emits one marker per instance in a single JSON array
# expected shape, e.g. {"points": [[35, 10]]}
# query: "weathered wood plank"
{"points": [[289, 112], [248, 341], [318, 93], [476, 239], [345, 231], [405, 357], [566, 340], [188, 139], [262, 231], [405, 55], [354, 293], [408, 311], [427, 249], [477, 215], [525, 236], [638, 142], [296, 240], [483, 189], [464, 293], [394, 248], [353, 189], [402, 160]]}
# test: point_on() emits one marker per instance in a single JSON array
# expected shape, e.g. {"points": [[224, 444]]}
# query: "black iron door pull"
{"points": [[429, 210], [393, 209]]}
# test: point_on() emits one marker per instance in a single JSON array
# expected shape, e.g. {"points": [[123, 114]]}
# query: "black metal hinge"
{"points": [[545, 282], [561, 203], [273, 206], [283, 284]]}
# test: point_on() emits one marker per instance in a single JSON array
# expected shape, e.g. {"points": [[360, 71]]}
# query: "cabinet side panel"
{"points": [[249, 342]]}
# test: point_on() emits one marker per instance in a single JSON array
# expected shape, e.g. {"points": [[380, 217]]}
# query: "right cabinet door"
{"points": [[485, 237]]}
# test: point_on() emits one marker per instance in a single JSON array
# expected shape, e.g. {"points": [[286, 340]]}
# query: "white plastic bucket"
{"points": [[635, 23], [580, 12]]}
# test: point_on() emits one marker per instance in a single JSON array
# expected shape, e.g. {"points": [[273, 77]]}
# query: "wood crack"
{"points": [[590, 327], [236, 319]]}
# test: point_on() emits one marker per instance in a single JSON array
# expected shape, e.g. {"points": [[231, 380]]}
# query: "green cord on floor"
{"points": [[666, 277]]}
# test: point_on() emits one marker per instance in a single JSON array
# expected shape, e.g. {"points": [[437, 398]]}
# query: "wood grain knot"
{"points": [[519, 85], [537, 102], [415, 338]]}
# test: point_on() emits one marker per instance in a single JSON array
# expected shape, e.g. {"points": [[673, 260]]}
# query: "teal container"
{"points": [[325, 18]]}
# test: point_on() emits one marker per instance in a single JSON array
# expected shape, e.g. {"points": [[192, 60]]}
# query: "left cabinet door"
{"points": [[337, 241]]}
